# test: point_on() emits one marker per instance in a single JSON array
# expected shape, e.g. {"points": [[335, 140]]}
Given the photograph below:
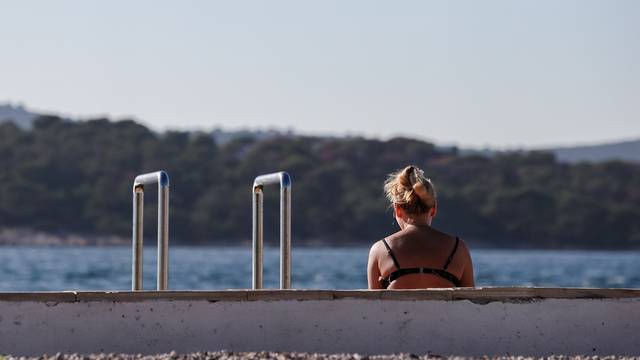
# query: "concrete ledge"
{"points": [[484, 295], [484, 321], [64, 296]]}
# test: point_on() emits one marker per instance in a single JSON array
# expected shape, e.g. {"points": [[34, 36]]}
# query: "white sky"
{"points": [[471, 73]]}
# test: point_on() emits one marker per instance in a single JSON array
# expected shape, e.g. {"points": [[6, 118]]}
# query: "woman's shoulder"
{"points": [[379, 247], [459, 248], [376, 247], [449, 238], [459, 243]]}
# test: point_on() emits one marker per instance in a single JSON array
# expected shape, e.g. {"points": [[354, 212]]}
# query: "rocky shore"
{"points": [[230, 355], [30, 237]]}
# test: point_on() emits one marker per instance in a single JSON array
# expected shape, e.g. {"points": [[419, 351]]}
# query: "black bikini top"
{"points": [[443, 273]]}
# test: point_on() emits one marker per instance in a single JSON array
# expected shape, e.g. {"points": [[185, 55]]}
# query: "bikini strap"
{"points": [[450, 258], [437, 272], [393, 257]]}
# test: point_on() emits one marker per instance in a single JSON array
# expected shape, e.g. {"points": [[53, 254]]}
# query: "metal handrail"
{"points": [[285, 227], [162, 179]]}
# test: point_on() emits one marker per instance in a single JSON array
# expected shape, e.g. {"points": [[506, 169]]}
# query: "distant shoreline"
{"points": [[30, 237], [35, 238]]}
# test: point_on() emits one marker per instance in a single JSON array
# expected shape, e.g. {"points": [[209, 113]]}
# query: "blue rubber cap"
{"points": [[286, 179], [164, 179]]}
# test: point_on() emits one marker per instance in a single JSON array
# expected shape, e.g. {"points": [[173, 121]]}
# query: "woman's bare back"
{"points": [[422, 247]]}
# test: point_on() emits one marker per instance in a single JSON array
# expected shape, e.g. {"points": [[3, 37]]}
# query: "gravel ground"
{"points": [[229, 355]]}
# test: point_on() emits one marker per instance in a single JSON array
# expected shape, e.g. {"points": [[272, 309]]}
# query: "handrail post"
{"points": [[137, 248], [162, 179], [285, 234], [284, 180], [258, 238]]}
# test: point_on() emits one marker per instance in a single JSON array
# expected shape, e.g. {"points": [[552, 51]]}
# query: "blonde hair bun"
{"points": [[410, 189]]}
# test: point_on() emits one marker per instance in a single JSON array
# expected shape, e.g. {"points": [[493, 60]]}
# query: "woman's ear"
{"points": [[398, 211], [434, 211]]}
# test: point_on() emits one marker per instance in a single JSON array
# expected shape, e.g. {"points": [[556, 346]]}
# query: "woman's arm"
{"points": [[467, 275], [373, 272]]}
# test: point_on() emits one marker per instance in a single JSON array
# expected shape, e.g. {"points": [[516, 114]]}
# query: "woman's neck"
{"points": [[417, 221]]}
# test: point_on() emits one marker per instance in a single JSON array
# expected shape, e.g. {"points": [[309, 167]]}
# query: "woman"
{"points": [[418, 256]]}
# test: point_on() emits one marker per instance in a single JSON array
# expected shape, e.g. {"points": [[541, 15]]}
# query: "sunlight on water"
{"points": [[208, 268]]}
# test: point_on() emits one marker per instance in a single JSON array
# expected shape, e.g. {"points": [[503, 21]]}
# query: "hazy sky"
{"points": [[472, 73]]}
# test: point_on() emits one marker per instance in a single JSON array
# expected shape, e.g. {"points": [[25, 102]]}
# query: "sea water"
{"points": [[213, 268]]}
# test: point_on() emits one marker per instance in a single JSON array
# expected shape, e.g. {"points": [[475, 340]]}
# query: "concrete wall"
{"points": [[460, 322]]}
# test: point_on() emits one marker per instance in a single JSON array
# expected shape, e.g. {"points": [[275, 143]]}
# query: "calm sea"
{"points": [[205, 268]]}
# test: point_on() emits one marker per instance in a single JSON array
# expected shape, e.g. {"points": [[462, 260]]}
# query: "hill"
{"points": [[17, 114], [616, 151], [623, 151], [64, 176]]}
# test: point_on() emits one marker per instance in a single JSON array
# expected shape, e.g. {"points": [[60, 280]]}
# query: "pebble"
{"points": [[230, 355]]}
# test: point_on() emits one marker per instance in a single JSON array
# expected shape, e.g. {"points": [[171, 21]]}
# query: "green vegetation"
{"points": [[76, 177]]}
